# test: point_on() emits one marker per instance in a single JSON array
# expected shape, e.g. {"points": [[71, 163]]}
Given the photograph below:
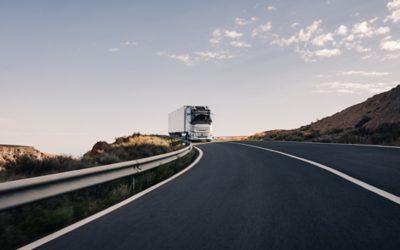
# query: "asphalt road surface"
{"points": [[240, 197]]}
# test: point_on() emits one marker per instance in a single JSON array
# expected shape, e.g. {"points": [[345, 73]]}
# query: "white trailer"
{"points": [[191, 122]]}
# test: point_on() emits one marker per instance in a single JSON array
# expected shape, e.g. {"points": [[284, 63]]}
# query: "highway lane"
{"points": [[239, 197], [377, 166]]}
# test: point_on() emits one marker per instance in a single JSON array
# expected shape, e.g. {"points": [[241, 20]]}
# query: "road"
{"points": [[241, 197]]}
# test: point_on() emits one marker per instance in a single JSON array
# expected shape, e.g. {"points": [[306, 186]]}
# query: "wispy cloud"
{"points": [[191, 59], [270, 8], [364, 73], [295, 25], [302, 36], [327, 52], [261, 29], [242, 21], [128, 43], [113, 49], [353, 87], [232, 34], [183, 58], [208, 55], [216, 37], [240, 44], [322, 39], [391, 57]]}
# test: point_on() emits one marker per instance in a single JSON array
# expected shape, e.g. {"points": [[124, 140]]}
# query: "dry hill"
{"points": [[376, 121]]}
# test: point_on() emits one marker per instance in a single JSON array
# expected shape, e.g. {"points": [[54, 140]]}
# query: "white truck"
{"points": [[193, 123]]}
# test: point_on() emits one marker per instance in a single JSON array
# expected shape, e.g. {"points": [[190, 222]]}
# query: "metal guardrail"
{"points": [[20, 192]]}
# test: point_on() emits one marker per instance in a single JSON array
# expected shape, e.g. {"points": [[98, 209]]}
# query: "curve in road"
{"points": [[240, 197]]}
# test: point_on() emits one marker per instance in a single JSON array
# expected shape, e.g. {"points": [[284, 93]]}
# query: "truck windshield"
{"points": [[201, 119]]}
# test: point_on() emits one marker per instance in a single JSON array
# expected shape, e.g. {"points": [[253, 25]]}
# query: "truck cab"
{"points": [[191, 122], [200, 123]]}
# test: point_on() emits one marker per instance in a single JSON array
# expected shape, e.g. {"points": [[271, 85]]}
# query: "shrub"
{"points": [[333, 131], [363, 120]]}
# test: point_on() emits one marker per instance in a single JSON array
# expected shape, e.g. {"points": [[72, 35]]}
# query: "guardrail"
{"points": [[20, 192]]}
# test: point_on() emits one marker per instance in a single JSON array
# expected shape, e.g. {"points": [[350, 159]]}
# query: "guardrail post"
{"points": [[132, 188]]}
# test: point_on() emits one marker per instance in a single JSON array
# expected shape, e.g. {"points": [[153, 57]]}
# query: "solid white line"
{"points": [[87, 220], [362, 184]]}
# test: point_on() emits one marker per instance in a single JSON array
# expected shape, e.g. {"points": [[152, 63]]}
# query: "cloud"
{"points": [[390, 45], [382, 30], [261, 29], [373, 20], [239, 44], [183, 58], [362, 29], [128, 43], [394, 9], [365, 29], [364, 73], [312, 56], [243, 22], [391, 57], [207, 55], [322, 39], [303, 36], [308, 42], [232, 34], [322, 76], [218, 34], [271, 8], [216, 37], [327, 52], [342, 30], [113, 49], [393, 4], [200, 56], [294, 25], [353, 87]]}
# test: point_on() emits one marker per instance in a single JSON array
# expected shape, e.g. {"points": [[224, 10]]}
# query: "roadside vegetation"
{"points": [[126, 148], [24, 224]]}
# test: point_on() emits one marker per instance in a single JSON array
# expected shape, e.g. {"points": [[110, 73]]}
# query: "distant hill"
{"points": [[10, 153], [375, 121]]}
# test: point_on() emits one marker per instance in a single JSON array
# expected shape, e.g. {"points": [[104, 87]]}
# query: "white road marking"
{"points": [[342, 144], [87, 220], [362, 184]]}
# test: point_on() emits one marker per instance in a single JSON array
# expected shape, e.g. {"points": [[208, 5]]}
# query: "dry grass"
{"points": [[230, 138]]}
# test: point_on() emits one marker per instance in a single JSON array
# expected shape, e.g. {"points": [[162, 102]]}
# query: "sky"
{"points": [[76, 72]]}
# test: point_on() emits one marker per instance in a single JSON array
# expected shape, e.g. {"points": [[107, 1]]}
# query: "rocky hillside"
{"points": [[131, 147], [376, 121], [377, 110], [10, 153]]}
